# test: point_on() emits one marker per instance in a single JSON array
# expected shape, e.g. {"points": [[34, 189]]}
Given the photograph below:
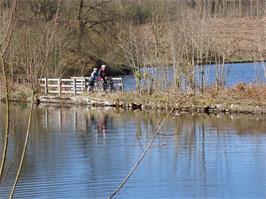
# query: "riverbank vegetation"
{"points": [[69, 38], [240, 99]]}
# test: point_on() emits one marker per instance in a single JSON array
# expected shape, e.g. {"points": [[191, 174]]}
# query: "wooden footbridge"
{"points": [[75, 85]]}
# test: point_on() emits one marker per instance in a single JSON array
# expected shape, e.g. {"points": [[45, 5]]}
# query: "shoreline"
{"points": [[233, 61], [178, 108], [180, 103], [241, 98]]}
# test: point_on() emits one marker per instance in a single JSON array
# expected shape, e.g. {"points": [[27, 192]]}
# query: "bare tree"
{"points": [[90, 15], [5, 43], [35, 72]]}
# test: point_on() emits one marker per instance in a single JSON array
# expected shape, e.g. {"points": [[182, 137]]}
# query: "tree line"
{"points": [[70, 37]]}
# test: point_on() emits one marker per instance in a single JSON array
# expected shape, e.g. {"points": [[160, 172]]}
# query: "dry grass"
{"points": [[241, 36], [240, 94], [18, 91]]}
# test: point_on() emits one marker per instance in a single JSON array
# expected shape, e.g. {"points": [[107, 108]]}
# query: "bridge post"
{"points": [[59, 87], [122, 84], [85, 84], [74, 87], [45, 86]]}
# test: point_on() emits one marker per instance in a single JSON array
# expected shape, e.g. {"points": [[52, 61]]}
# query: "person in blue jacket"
{"points": [[92, 79]]}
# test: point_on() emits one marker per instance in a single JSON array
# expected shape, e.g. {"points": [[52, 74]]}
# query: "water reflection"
{"points": [[85, 153]]}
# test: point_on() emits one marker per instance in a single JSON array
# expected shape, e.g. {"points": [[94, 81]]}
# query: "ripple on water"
{"points": [[89, 156]]}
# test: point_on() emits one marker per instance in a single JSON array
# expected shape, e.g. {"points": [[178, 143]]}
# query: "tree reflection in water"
{"points": [[194, 154]]}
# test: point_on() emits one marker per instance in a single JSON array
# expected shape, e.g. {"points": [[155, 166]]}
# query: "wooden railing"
{"points": [[118, 83], [74, 85]]}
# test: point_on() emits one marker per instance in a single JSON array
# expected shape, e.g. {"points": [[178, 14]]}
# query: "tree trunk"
{"points": [[81, 26], [4, 153]]}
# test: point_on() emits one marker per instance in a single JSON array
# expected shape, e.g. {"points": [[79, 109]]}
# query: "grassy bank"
{"points": [[239, 99], [18, 93]]}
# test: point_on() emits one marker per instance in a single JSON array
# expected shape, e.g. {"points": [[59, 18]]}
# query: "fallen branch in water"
{"points": [[141, 157]]}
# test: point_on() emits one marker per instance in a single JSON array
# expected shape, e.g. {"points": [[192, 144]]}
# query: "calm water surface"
{"points": [[85, 153]]}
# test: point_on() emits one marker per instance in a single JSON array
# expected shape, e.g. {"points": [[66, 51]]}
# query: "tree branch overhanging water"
{"points": [[24, 149], [141, 157]]}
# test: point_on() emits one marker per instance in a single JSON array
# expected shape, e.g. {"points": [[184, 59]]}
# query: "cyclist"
{"points": [[102, 76], [93, 78]]}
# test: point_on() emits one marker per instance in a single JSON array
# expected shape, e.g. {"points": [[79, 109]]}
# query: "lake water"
{"points": [[85, 153], [234, 73]]}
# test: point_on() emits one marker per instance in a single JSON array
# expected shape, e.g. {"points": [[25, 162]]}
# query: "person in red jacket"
{"points": [[102, 76], [102, 73]]}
